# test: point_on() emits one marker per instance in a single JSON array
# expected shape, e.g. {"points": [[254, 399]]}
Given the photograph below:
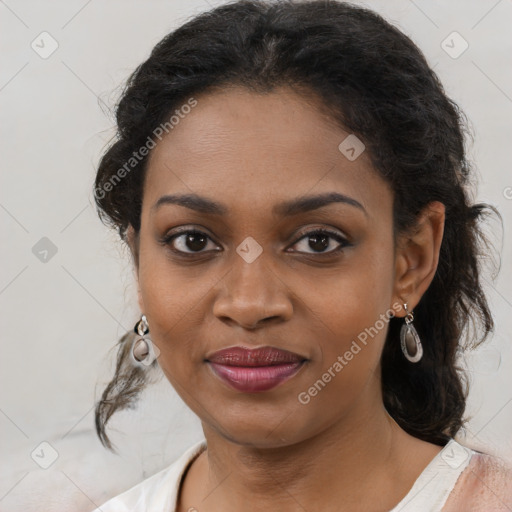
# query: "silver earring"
{"points": [[143, 351], [409, 339]]}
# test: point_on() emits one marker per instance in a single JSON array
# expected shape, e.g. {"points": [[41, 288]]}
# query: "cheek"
{"points": [[354, 331], [347, 369], [354, 308], [173, 299], [355, 294]]}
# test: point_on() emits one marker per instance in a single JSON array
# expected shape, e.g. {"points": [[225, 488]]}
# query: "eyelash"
{"points": [[168, 239]]}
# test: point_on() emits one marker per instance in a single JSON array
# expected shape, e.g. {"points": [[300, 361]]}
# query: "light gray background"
{"points": [[61, 318]]}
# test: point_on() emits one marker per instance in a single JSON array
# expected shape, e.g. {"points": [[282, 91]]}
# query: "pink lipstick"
{"points": [[255, 370]]}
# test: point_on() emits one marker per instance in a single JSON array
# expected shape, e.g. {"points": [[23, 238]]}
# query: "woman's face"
{"points": [[253, 277]]}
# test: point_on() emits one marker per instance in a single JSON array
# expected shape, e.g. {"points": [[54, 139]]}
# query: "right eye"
{"points": [[187, 241]]}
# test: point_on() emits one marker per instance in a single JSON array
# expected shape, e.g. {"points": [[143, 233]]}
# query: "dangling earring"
{"points": [[143, 351], [409, 339]]}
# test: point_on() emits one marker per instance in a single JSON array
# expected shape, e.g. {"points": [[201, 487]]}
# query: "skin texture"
{"points": [[250, 151], [485, 485]]}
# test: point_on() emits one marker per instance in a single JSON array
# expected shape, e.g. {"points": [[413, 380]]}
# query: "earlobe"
{"points": [[417, 255]]}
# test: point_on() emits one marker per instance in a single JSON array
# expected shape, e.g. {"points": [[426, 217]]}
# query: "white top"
{"points": [[159, 493]]}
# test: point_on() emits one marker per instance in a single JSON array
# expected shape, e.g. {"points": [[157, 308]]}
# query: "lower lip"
{"points": [[255, 378]]}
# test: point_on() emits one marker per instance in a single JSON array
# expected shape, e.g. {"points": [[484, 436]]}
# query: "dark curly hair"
{"points": [[374, 82]]}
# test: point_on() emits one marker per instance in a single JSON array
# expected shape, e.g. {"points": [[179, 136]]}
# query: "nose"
{"points": [[253, 295]]}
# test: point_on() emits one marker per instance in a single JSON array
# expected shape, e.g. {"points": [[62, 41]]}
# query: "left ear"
{"points": [[417, 256]]}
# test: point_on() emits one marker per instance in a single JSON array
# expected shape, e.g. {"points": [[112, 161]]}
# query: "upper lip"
{"points": [[263, 356]]}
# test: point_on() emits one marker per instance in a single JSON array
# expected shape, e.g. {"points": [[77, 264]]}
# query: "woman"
{"points": [[291, 181]]}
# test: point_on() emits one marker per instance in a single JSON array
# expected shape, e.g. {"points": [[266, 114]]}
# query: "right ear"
{"points": [[132, 240]]}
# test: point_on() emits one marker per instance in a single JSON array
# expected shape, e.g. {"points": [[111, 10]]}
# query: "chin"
{"points": [[259, 430]]}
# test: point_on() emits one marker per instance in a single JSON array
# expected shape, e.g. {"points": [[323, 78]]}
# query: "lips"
{"points": [[265, 356], [254, 370]]}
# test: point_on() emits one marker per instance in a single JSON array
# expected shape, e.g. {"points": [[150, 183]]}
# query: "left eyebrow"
{"points": [[308, 203], [285, 209]]}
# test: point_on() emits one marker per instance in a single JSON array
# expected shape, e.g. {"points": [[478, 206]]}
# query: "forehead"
{"points": [[250, 150]]}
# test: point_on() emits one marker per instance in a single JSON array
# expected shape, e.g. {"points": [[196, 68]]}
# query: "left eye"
{"points": [[320, 240]]}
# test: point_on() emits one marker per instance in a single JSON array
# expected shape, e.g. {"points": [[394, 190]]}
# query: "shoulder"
{"points": [[485, 485], [156, 493]]}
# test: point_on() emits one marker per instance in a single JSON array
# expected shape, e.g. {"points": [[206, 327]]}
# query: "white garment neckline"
{"points": [[435, 483], [428, 493]]}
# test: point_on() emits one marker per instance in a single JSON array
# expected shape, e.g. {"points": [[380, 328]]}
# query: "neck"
{"points": [[355, 458]]}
